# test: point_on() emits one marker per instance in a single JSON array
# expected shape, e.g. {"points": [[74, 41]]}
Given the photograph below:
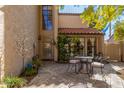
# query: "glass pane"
{"points": [[45, 13], [49, 25], [47, 51], [44, 7], [82, 47], [49, 7], [50, 13], [89, 47], [47, 18]]}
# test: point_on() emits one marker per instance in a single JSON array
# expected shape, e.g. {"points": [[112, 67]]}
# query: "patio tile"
{"points": [[54, 75]]}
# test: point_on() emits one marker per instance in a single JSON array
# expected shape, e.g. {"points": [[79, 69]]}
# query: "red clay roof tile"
{"points": [[88, 31]]}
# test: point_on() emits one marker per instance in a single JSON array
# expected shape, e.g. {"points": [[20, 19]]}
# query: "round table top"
{"points": [[84, 57]]}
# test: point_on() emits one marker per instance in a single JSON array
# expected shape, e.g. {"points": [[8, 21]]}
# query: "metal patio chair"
{"points": [[97, 63], [73, 63]]}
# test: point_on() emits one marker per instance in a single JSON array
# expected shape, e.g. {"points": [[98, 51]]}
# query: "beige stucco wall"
{"points": [[101, 44], [71, 21], [1, 44], [112, 51], [56, 16], [123, 51], [20, 22]]}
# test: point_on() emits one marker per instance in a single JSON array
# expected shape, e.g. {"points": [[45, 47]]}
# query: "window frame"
{"points": [[49, 9]]}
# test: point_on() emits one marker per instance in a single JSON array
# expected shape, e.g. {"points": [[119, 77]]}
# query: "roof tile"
{"points": [[79, 31]]}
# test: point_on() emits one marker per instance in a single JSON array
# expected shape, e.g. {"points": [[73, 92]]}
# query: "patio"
{"points": [[54, 75]]}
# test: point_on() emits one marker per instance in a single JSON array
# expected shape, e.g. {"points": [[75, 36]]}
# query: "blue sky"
{"points": [[80, 9], [72, 9]]}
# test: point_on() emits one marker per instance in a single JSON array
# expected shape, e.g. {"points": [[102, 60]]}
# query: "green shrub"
{"points": [[32, 68], [3, 86], [36, 62], [30, 71], [63, 51], [14, 82]]}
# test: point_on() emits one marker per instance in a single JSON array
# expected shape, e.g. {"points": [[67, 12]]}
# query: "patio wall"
{"points": [[113, 51], [20, 22], [123, 51]]}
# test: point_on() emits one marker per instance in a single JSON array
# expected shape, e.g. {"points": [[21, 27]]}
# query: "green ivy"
{"points": [[63, 51]]}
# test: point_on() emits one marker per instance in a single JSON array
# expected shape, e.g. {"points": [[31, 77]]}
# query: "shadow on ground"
{"points": [[54, 75]]}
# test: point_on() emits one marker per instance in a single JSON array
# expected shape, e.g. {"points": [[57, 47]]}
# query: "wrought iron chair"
{"points": [[97, 63], [73, 63]]}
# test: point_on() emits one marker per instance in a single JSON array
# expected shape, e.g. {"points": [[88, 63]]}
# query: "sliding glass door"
{"points": [[87, 46], [91, 46]]}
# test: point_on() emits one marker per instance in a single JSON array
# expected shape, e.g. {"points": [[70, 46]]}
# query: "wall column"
{"points": [[97, 45], [85, 41], [102, 44], [1, 45], [39, 31], [55, 32]]}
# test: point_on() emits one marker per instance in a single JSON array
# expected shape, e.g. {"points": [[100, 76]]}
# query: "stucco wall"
{"points": [[1, 44], [71, 21], [112, 51], [20, 22], [123, 51]]}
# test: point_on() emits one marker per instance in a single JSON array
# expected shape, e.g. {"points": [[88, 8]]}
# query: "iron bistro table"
{"points": [[85, 60]]}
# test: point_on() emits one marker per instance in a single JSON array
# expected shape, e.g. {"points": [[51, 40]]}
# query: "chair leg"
{"points": [[87, 68], [68, 67], [81, 67], [102, 70], [72, 66], [92, 70], [75, 68]]}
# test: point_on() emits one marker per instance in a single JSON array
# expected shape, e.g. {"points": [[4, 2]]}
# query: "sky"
{"points": [[80, 9], [73, 9]]}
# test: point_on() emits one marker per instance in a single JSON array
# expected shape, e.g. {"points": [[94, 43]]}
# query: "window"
{"points": [[91, 46], [47, 17]]}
